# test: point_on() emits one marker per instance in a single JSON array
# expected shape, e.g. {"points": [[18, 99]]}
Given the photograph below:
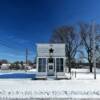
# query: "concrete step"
{"points": [[51, 77]]}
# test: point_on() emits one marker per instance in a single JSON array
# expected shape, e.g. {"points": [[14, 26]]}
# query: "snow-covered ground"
{"points": [[81, 86], [26, 88], [84, 74]]}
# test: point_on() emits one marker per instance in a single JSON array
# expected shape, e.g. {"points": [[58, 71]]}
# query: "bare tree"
{"points": [[86, 36], [87, 41], [69, 36]]}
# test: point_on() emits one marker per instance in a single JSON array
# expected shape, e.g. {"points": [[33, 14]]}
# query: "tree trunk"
{"points": [[90, 64], [69, 67]]}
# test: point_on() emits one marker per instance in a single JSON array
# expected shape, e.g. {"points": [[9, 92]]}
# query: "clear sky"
{"points": [[23, 23]]}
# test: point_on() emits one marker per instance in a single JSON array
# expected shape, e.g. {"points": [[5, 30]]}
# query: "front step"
{"points": [[51, 77]]}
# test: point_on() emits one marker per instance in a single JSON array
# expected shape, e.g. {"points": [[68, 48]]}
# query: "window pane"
{"points": [[42, 65], [50, 67], [59, 65], [50, 60]]}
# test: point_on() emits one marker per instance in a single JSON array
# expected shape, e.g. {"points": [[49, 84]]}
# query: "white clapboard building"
{"points": [[50, 59]]}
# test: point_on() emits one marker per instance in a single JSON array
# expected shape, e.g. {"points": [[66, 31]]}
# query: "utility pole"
{"points": [[26, 56], [94, 49]]}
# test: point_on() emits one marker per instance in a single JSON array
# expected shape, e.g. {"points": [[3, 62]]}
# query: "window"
{"points": [[50, 67], [59, 64], [50, 60], [42, 64]]}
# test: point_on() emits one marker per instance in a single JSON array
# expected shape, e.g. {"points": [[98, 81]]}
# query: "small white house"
{"points": [[51, 59]]}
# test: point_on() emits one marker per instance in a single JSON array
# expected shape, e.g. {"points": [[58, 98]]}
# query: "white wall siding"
{"points": [[43, 50]]}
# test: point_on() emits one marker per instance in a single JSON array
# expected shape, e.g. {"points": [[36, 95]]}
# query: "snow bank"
{"points": [[32, 70]]}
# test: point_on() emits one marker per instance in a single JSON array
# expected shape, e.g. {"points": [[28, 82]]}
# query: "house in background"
{"points": [[50, 59]]}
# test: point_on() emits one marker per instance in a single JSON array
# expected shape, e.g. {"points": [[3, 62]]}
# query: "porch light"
{"points": [[51, 52]]}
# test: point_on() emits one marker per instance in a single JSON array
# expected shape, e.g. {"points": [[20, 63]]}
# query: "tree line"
{"points": [[16, 65]]}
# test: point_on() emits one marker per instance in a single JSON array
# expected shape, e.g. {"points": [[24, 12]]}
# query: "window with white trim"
{"points": [[59, 64], [42, 65]]}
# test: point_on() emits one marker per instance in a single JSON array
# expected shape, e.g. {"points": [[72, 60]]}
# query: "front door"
{"points": [[50, 66]]}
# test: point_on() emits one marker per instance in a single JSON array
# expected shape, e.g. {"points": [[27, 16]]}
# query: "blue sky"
{"points": [[23, 23]]}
